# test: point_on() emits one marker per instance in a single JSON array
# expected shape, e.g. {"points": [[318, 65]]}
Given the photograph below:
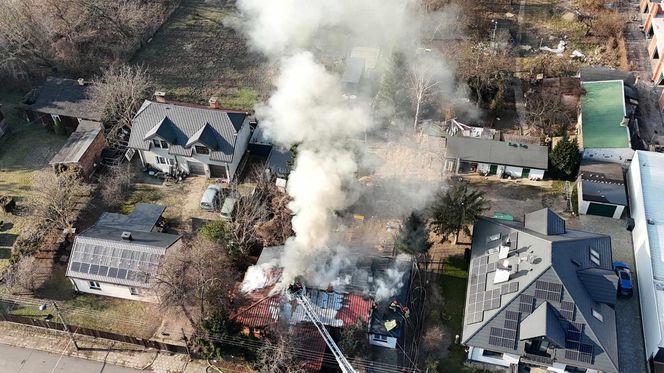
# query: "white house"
{"points": [[199, 140], [645, 181], [601, 189], [120, 254]]}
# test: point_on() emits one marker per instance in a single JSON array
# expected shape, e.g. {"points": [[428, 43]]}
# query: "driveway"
{"points": [[631, 352]]}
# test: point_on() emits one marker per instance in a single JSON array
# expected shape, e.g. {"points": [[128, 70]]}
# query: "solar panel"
{"points": [[586, 358], [511, 315], [526, 303], [119, 263], [568, 315], [549, 291], [567, 306], [511, 324]]}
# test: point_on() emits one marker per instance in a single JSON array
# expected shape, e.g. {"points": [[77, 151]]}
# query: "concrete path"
{"points": [[23, 360]]}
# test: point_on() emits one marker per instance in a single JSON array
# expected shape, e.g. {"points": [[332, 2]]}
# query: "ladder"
{"points": [[311, 313]]}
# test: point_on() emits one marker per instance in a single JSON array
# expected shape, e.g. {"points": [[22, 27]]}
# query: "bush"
{"points": [[216, 231], [564, 160]]}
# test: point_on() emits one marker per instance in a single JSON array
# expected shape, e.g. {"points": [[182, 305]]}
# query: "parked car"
{"points": [[228, 208], [210, 200], [625, 285]]}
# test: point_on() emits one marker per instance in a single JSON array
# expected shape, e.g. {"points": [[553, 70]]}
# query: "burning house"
{"points": [[374, 290]]}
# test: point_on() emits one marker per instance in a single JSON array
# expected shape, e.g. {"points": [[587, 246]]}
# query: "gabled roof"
{"points": [[473, 149], [101, 254], [65, 97], [601, 284], [543, 322], [78, 143], [545, 222], [182, 126], [542, 269]]}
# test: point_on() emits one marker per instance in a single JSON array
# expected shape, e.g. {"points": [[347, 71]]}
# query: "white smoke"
{"points": [[308, 107], [389, 285]]}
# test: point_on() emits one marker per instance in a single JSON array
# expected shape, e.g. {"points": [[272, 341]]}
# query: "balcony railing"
{"points": [[538, 359]]}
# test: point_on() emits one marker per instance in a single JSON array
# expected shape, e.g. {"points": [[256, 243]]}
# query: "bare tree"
{"points": [[74, 35], [277, 357], [196, 278], [116, 184], [56, 199], [119, 92], [21, 276], [547, 112], [423, 81], [482, 68], [262, 218]]}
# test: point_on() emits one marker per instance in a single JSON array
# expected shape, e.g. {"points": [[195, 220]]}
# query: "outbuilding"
{"points": [[601, 189], [82, 150]]}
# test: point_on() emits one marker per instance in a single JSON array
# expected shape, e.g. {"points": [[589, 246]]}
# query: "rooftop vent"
{"points": [[651, 221], [81, 81], [126, 236], [160, 96]]}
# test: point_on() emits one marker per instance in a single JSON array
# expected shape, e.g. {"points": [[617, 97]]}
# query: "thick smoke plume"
{"points": [[309, 109]]}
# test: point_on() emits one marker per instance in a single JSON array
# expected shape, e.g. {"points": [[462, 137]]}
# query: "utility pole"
{"points": [[71, 335]]}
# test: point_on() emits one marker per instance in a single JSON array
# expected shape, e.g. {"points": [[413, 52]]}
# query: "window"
{"points": [[161, 160], [594, 257], [202, 149], [380, 338], [160, 143], [171, 161], [134, 291], [598, 315], [494, 354], [94, 285]]}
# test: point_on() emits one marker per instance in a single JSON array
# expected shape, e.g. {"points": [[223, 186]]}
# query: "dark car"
{"points": [[625, 285]]}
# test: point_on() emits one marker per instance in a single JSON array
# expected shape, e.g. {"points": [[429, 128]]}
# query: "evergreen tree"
{"points": [[413, 238], [564, 160], [455, 210]]}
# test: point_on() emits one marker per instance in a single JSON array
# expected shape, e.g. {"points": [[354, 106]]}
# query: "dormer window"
{"points": [[160, 143], [201, 149]]}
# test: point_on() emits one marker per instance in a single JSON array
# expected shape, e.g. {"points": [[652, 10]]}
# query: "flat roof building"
{"points": [[602, 189]]}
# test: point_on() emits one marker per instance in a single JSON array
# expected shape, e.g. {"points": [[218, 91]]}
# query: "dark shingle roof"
{"points": [[184, 123], [101, 254], [66, 97], [498, 152], [544, 268]]}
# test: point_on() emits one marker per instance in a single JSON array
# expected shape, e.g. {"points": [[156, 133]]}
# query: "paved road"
{"points": [[21, 360]]}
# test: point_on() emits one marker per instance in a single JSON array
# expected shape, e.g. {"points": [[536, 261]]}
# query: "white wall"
{"points": [[475, 353], [611, 155], [150, 156], [391, 342], [240, 146], [483, 167], [514, 171], [536, 174], [113, 290], [647, 296]]}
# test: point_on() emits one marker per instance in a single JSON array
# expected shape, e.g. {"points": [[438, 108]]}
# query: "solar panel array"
{"points": [[526, 303], [549, 291], [117, 263], [505, 337], [575, 349], [480, 299], [567, 310]]}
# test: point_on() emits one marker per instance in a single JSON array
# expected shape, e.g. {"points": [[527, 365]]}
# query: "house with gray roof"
{"points": [[120, 255], [541, 295], [601, 189], [195, 139], [515, 159]]}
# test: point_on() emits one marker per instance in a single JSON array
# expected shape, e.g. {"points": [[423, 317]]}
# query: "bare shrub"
{"points": [[277, 357], [21, 276], [115, 185], [433, 338], [56, 199]]}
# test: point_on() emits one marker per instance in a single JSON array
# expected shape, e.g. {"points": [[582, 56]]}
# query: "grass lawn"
{"points": [[194, 56], [453, 284], [25, 150]]}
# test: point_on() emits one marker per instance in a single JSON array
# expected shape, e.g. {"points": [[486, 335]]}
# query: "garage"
{"points": [[218, 171], [196, 168], [601, 210]]}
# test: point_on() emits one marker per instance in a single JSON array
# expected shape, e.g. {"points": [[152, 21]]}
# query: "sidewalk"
{"points": [[110, 352]]}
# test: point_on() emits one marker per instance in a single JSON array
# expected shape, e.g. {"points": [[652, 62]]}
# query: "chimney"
{"points": [[160, 96], [81, 81], [126, 236], [214, 102]]}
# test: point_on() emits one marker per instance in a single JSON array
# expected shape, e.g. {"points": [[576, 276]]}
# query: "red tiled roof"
{"points": [[307, 337]]}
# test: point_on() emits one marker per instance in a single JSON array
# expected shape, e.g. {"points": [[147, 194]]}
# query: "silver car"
{"points": [[210, 200]]}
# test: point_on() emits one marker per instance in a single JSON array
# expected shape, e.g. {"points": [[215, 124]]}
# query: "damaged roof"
{"points": [[184, 126], [64, 97], [569, 271], [78, 143]]}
